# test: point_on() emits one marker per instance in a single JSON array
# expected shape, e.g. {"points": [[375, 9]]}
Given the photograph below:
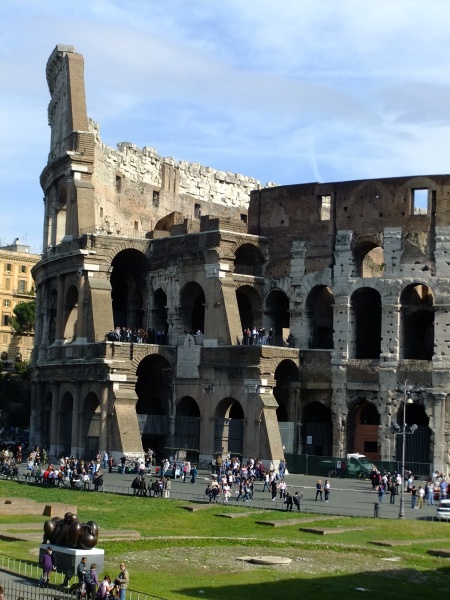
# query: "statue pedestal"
{"points": [[68, 559]]}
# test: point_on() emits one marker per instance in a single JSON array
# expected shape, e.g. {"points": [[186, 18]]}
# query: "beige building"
{"points": [[16, 286], [154, 268]]}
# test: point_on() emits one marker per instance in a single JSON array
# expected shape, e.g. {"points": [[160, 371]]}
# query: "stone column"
{"points": [[60, 309], [437, 424], [104, 410], [54, 449], [77, 443]]}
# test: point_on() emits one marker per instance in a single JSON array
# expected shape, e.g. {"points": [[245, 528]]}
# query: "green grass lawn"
{"points": [[194, 555]]}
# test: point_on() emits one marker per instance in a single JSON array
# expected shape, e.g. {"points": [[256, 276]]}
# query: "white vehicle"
{"points": [[443, 510]]}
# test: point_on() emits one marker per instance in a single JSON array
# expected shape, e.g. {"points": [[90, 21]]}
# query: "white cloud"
{"points": [[291, 92]]}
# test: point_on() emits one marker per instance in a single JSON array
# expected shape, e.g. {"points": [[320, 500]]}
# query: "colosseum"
{"points": [[198, 312]]}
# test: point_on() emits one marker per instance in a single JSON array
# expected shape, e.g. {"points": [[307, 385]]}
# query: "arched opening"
{"points": [[287, 384], [187, 428], [418, 450], [45, 420], [160, 325], [53, 303], [249, 261], [65, 424], [154, 391], [128, 284], [366, 427], [366, 319], [229, 428], [277, 315], [417, 322], [317, 433], [249, 307], [71, 314], [192, 300], [90, 425], [59, 222], [369, 259], [319, 306]]}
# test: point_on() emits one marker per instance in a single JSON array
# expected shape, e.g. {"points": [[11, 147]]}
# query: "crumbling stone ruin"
{"points": [[196, 311]]}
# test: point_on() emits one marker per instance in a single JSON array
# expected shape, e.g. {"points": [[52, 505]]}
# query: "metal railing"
{"points": [[30, 573]]}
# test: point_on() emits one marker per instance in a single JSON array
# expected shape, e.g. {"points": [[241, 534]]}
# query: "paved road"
{"points": [[349, 497]]}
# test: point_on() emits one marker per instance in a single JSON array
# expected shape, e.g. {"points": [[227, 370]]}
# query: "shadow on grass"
{"points": [[398, 584]]}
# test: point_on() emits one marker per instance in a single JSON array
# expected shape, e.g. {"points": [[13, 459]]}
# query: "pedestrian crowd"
{"points": [[137, 335]]}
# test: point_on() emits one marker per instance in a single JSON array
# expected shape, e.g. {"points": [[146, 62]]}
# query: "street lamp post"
{"points": [[406, 400]]}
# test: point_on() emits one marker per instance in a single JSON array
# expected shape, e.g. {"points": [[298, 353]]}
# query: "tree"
{"points": [[25, 314]]}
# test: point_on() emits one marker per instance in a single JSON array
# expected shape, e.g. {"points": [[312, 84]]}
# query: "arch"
{"points": [[316, 431], [364, 420], [187, 427], [154, 392], [277, 312], [286, 374], [44, 421], [192, 301], [319, 306], [249, 306], [65, 424], [159, 315], [128, 288], [90, 425], [53, 303], [365, 306], [248, 261], [369, 259], [167, 222], [229, 427], [418, 447], [71, 314], [417, 322], [59, 221]]}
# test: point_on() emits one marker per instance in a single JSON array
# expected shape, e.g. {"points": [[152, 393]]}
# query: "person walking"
{"points": [[319, 489], [48, 565], [413, 493], [421, 496], [91, 582], [288, 501], [296, 499], [326, 489], [194, 474], [393, 492], [122, 581], [381, 492], [273, 489]]}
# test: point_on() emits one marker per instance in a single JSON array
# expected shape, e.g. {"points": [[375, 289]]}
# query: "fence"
{"points": [[25, 586], [308, 464]]}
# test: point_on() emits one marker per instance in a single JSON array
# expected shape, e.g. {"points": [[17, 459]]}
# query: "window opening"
{"points": [[325, 208], [244, 218], [155, 198], [197, 211], [8, 267], [23, 269], [5, 320], [420, 201], [118, 184]]}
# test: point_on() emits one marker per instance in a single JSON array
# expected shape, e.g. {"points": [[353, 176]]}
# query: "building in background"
{"points": [[16, 286], [197, 312]]}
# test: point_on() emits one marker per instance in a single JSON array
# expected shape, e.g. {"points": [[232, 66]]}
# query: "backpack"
{"points": [[88, 577]]}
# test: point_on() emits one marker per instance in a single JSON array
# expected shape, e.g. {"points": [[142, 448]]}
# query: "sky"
{"points": [[286, 92]]}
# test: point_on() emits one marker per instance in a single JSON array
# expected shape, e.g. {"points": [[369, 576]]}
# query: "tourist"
{"points": [[326, 489], [48, 565], [122, 581], [91, 582]]}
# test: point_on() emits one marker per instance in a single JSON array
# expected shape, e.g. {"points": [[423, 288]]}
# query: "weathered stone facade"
{"points": [[355, 273]]}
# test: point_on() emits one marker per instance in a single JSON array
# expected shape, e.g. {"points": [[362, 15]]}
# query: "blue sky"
{"points": [[287, 92]]}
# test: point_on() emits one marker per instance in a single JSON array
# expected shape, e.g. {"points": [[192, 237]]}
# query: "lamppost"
{"points": [[406, 400]]}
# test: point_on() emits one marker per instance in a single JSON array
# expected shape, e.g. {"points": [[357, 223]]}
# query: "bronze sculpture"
{"points": [[70, 532]]}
